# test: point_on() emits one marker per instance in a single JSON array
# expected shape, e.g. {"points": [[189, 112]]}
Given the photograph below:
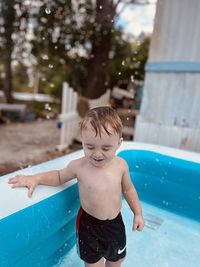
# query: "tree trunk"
{"points": [[37, 79], [8, 17], [97, 80], [7, 84]]}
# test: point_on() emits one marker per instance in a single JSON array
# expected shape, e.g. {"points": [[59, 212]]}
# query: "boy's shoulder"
{"points": [[121, 162], [77, 162]]}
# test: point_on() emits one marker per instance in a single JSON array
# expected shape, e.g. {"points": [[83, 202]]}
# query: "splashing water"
{"points": [[47, 10]]}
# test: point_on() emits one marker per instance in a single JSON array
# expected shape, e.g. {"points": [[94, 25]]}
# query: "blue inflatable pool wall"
{"points": [[42, 233], [165, 181]]}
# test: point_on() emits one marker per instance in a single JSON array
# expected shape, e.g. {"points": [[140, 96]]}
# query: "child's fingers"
{"points": [[16, 184], [30, 191], [138, 227], [12, 180], [135, 225], [19, 183]]}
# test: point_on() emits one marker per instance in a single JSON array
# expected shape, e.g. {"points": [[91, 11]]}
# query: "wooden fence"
{"points": [[69, 117]]}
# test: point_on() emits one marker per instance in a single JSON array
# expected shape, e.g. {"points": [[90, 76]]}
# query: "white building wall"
{"points": [[170, 110]]}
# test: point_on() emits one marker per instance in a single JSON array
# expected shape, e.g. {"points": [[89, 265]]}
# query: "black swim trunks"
{"points": [[100, 238]]}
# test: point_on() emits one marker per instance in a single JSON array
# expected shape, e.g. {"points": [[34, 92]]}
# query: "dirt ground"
{"points": [[29, 143]]}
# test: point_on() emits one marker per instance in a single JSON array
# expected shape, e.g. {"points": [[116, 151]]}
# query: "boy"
{"points": [[102, 178]]}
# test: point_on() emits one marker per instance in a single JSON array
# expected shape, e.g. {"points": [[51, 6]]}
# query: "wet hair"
{"points": [[99, 118]]}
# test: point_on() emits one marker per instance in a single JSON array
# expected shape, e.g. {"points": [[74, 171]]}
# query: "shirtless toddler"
{"points": [[102, 178]]}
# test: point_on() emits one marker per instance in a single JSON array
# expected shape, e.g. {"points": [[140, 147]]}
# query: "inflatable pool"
{"points": [[41, 231]]}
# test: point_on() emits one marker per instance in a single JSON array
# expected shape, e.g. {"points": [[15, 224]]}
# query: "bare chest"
{"points": [[100, 181]]}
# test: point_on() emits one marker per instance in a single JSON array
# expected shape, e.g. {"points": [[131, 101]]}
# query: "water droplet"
{"points": [[45, 57], [119, 73], [50, 66], [123, 63], [47, 10], [100, 7]]}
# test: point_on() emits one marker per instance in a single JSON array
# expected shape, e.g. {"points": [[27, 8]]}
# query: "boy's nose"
{"points": [[97, 154]]}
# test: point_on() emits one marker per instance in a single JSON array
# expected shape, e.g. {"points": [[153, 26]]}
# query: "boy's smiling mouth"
{"points": [[98, 160]]}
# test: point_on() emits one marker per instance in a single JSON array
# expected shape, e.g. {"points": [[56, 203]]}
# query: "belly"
{"points": [[103, 207]]}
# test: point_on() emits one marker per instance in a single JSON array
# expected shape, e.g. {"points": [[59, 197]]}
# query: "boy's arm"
{"points": [[52, 178], [58, 177], [132, 199]]}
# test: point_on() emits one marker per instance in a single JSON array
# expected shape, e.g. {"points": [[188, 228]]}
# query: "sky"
{"points": [[137, 18]]}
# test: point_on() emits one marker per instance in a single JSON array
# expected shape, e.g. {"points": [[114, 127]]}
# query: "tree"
{"points": [[20, 77], [56, 35], [62, 27], [13, 16], [97, 70], [97, 80]]}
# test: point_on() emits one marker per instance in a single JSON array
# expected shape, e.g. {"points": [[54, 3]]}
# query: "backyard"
{"points": [[25, 144]]}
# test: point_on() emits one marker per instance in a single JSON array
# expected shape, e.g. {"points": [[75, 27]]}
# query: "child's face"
{"points": [[100, 150]]}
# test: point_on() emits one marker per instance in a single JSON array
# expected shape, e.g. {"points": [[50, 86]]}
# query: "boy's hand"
{"points": [[138, 222], [28, 181]]}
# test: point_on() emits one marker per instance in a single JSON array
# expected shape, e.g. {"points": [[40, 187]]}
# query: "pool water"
{"points": [[168, 240]]}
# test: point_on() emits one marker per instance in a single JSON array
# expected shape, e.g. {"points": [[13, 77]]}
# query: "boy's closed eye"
{"points": [[90, 147], [105, 148]]}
